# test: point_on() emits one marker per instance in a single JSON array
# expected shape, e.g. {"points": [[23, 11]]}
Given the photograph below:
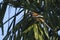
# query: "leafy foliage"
{"points": [[31, 28]]}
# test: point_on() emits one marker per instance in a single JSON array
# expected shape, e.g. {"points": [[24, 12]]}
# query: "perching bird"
{"points": [[39, 18], [36, 16]]}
